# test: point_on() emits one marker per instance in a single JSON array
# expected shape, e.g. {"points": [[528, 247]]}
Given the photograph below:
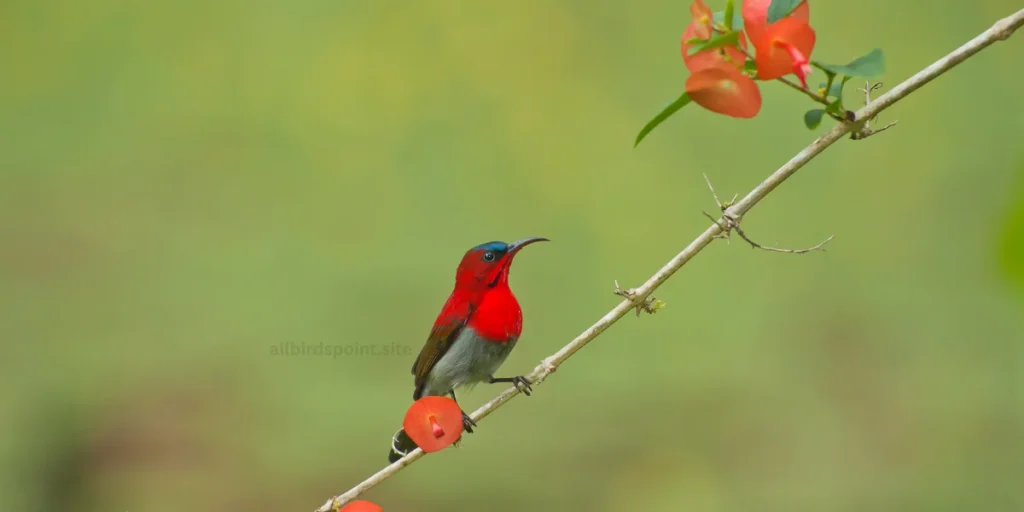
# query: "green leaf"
{"points": [[835, 107], [867, 66], [837, 89], [730, 14], [750, 65], [670, 109], [812, 118], [780, 9], [726, 39], [737, 19]]}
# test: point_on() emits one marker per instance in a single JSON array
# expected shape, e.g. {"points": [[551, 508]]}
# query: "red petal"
{"points": [[701, 18], [361, 506], [773, 60], [725, 90], [755, 16], [432, 415], [711, 58]]}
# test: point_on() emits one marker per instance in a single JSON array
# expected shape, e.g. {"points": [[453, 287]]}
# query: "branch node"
{"points": [[732, 223], [865, 130], [548, 366], [650, 305]]}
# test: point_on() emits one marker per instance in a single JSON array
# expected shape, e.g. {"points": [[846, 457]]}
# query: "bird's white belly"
{"points": [[471, 359]]}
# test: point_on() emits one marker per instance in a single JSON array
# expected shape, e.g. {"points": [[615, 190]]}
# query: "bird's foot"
{"points": [[467, 423], [521, 383]]}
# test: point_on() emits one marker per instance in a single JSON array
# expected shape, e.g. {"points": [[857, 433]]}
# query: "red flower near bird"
{"points": [[724, 71], [433, 422], [701, 19], [695, 62], [701, 28], [782, 47], [717, 83], [725, 90], [361, 506], [755, 16]]}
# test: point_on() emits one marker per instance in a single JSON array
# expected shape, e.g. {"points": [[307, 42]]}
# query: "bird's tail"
{"points": [[401, 445]]}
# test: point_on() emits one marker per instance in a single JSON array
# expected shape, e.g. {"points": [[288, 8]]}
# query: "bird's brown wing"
{"points": [[444, 333]]}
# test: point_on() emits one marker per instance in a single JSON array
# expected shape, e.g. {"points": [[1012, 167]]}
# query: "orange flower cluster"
{"points": [[433, 422], [720, 79]]}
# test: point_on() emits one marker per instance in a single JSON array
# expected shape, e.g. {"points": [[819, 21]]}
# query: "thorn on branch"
{"points": [[866, 131], [651, 304], [732, 223]]}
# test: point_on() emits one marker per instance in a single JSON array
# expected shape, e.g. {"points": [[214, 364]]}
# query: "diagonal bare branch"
{"points": [[1002, 30]]}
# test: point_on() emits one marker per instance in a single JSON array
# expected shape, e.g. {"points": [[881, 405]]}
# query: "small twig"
{"points": [[866, 131], [755, 245], [812, 95], [713, 194], [651, 304], [726, 229], [733, 223]]}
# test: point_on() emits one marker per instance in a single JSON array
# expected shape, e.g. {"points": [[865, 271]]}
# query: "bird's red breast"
{"points": [[494, 313], [498, 318]]}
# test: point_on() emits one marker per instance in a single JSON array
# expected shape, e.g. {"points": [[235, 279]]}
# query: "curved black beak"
{"points": [[519, 244]]}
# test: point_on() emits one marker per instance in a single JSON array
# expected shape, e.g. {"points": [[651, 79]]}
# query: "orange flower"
{"points": [[725, 90], [755, 16], [710, 58], [361, 506], [701, 19], [785, 47], [433, 422]]}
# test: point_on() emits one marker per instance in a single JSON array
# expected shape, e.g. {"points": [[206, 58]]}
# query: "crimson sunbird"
{"points": [[474, 333]]}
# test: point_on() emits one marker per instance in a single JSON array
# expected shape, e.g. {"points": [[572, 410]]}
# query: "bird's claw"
{"points": [[522, 384], [467, 423]]}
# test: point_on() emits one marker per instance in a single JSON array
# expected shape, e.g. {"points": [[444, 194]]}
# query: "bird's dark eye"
{"points": [[488, 256]]}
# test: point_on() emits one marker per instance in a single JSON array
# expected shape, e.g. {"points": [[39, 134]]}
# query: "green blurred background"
{"points": [[187, 184]]}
